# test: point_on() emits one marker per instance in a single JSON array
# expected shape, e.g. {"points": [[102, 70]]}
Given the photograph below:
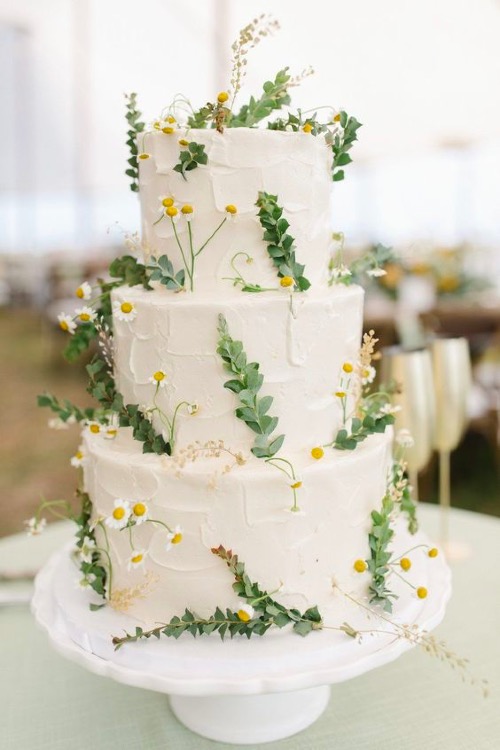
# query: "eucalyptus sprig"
{"points": [[360, 429], [246, 383], [341, 143], [379, 539], [190, 158], [267, 613], [274, 96], [163, 271], [136, 126], [280, 245]]}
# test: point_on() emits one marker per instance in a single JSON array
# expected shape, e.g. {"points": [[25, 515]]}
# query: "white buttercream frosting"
{"points": [[241, 162], [246, 509]]}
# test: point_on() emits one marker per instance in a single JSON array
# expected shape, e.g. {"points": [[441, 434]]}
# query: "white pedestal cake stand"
{"points": [[239, 691]]}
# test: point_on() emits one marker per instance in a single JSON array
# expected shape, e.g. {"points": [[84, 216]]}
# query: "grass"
{"points": [[34, 462]]}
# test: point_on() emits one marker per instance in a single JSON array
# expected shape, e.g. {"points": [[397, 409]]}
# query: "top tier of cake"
{"points": [[241, 162]]}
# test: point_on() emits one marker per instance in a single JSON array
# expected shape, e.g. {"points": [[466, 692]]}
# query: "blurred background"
{"points": [[421, 76]]}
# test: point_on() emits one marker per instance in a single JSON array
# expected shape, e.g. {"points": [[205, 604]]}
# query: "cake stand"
{"points": [[239, 691]]}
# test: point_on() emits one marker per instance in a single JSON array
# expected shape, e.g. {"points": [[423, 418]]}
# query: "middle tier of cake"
{"points": [[300, 342]]}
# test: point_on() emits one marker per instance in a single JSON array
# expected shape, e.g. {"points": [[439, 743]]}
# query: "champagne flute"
{"points": [[412, 370], [452, 383]]}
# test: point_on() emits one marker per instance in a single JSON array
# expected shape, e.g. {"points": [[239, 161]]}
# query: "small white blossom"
{"points": [[35, 526], [85, 582], [78, 459], [193, 409], [405, 439], [389, 408], [340, 272], [86, 314], [87, 549], [119, 516], [136, 559], [84, 291], [94, 427], [124, 310], [159, 379], [110, 432], [368, 374], [374, 272], [140, 512], [173, 537], [66, 323], [245, 612]]}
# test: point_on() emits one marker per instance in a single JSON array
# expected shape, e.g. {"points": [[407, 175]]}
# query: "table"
{"points": [[415, 703]]}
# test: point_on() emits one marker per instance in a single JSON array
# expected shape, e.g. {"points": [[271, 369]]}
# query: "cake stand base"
{"points": [[251, 719], [240, 691]]}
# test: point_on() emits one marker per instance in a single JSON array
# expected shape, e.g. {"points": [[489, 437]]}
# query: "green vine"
{"points": [[239, 280], [347, 440], [190, 158], [379, 539], [66, 409], [267, 613], [133, 117], [341, 143], [247, 384], [280, 246]]}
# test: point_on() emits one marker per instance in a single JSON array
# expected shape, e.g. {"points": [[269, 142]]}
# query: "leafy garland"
{"points": [[93, 569], [268, 613], [190, 158], [347, 440], [136, 126], [379, 539], [341, 144], [280, 246], [246, 385], [274, 96]]}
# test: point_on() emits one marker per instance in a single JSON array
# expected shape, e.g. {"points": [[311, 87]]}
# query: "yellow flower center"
{"points": [[95, 428], [337, 118], [222, 97], [433, 552], [231, 209], [156, 124], [126, 307], [80, 293], [243, 615], [170, 119], [139, 509], [365, 373], [421, 592], [79, 455], [137, 558], [64, 325], [143, 156], [187, 209], [287, 281], [296, 485], [347, 367], [111, 431], [168, 130], [177, 538], [317, 453], [171, 211], [360, 566], [405, 563], [84, 317], [307, 128], [159, 376], [167, 202], [119, 513], [340, 394], [183, 142]]}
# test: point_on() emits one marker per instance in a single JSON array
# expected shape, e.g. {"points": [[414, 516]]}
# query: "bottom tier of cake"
{"points": [[296, 534]]}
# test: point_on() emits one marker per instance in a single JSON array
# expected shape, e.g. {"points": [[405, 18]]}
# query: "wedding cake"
{"points": [[237, 423]]}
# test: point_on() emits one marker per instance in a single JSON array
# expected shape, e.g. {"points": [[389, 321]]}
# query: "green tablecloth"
{"points": [[415, 703]]}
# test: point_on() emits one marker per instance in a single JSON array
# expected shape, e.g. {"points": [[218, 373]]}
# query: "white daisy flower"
{"points": [[85, 582], [174, 537], [136, 559], [340, 272], [78, 459], [374, 272], [147, 412], [86, 314], [94, 427], [368, 374], [158, 378], [119, 516], [231, 211], [187, 211], [405, 439], [389, 408], [124, 310], [245, 612], [87, 549], [35, 526], [165, 201], [66, 323], [140, 512], [84, 291]]}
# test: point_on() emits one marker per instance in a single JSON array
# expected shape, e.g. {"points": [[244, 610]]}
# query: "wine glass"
{"points": [[452, 383], [411, 369]]}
